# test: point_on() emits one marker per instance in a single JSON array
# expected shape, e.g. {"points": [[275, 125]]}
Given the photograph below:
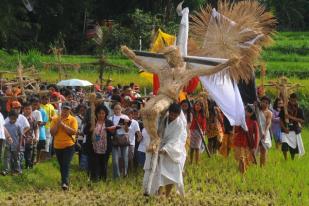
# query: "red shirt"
{"points": [[201, 120], [240, 136]]}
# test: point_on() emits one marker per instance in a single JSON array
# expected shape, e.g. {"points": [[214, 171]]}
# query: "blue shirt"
{"points": [[42, 135], [15, 132]]}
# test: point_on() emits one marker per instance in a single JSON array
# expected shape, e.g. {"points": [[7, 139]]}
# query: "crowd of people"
{"points": [[62, 123]]}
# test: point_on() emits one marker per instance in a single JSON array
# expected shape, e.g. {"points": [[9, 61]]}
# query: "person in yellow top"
{"points": [[51, 113], [64, 129]]}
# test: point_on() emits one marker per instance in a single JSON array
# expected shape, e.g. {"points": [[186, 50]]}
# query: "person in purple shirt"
{"points": [[275, 124]]}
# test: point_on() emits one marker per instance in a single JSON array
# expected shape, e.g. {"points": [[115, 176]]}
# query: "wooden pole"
{"points": [[20, 79]]}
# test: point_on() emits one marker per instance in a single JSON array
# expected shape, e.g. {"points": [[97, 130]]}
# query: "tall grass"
{"points": [[214, 181]]}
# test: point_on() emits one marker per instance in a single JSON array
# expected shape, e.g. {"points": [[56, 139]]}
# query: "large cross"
{"points": [[284, 88], [174, 69], [59, 64]]}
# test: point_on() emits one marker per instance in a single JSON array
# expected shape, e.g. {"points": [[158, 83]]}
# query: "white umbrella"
{"points": [[74, 83]]}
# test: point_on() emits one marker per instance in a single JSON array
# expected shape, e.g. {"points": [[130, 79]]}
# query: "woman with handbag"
{"points": [[100, 140], [120, 141]]}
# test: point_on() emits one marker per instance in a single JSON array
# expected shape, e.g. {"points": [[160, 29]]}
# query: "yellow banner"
{"points": [[162, 40]]}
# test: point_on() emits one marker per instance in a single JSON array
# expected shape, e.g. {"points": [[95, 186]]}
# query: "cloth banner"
{"points": [[224, 91]]}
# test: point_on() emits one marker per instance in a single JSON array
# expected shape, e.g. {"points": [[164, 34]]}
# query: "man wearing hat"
{"points": [[64, 129]]}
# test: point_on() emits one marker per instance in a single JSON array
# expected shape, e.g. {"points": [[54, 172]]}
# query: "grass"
{"points": [[215, 181]]}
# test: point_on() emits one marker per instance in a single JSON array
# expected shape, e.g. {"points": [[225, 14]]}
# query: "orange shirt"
{"points": [[61, 138]]}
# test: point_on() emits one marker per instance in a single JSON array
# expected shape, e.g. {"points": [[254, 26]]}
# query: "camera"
{"points": [[122, 121]]}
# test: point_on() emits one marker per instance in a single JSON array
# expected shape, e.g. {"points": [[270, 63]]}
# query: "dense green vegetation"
{"points": [[39, 24], [289, 55], [214, 181]]}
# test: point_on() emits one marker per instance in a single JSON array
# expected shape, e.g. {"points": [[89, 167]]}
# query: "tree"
{"points": [[291, 14]]}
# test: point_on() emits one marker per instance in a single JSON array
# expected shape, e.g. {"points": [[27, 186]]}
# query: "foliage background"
{"points": [[61, 22]]}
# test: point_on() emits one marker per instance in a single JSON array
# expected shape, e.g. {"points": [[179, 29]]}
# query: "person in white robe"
{"points": [[264, 119], [291, 131], [172, 155]]}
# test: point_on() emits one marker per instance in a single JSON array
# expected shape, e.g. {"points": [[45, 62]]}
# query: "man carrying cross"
{"points": [[291, 129], [174, 69], [169, 169]]}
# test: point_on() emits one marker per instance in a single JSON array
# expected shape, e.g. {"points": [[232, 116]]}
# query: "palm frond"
{"points": [[239, 29]]}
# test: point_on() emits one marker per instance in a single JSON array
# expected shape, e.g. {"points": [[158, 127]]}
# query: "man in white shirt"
{"points": [[141, 151], [133, 129]]}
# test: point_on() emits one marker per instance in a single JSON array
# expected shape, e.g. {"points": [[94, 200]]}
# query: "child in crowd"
{"points": [[31, 137], [43, 145], [133, 129], [246, 142], [197, 131], [13, 145]]}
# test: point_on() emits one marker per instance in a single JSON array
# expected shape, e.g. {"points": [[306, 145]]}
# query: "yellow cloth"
{"points": [[146, 75], [162, 40], [61, 138], [182, 96], [50, 111]]}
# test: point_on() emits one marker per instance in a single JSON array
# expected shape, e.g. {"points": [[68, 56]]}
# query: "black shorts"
{"points": [[286, 147], [41, 145]]}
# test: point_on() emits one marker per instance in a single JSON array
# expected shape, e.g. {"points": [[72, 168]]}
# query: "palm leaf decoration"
{"points": [[239, 29]]}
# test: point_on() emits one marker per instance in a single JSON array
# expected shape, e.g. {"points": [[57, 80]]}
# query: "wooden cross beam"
{"points": [[102, 63], [37, 92], [284, 88], [19, 70], [12, 97]]}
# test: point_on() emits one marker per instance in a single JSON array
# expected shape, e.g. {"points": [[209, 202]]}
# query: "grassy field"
{"points": [[215, 181]]}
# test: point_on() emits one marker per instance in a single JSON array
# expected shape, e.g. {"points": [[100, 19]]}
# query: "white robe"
{"points": [[170, 166], [183, 137], [294, 140], [267, 141]]}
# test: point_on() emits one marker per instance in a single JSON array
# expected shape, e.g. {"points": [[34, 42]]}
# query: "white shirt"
{"points": [[144, 142], [134, 127], [115, 119], [2, 135], [21, 121], [36, 114]]}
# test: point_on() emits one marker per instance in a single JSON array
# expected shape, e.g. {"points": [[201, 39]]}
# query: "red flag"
{"points": [[156, 84], [191, 86]]}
